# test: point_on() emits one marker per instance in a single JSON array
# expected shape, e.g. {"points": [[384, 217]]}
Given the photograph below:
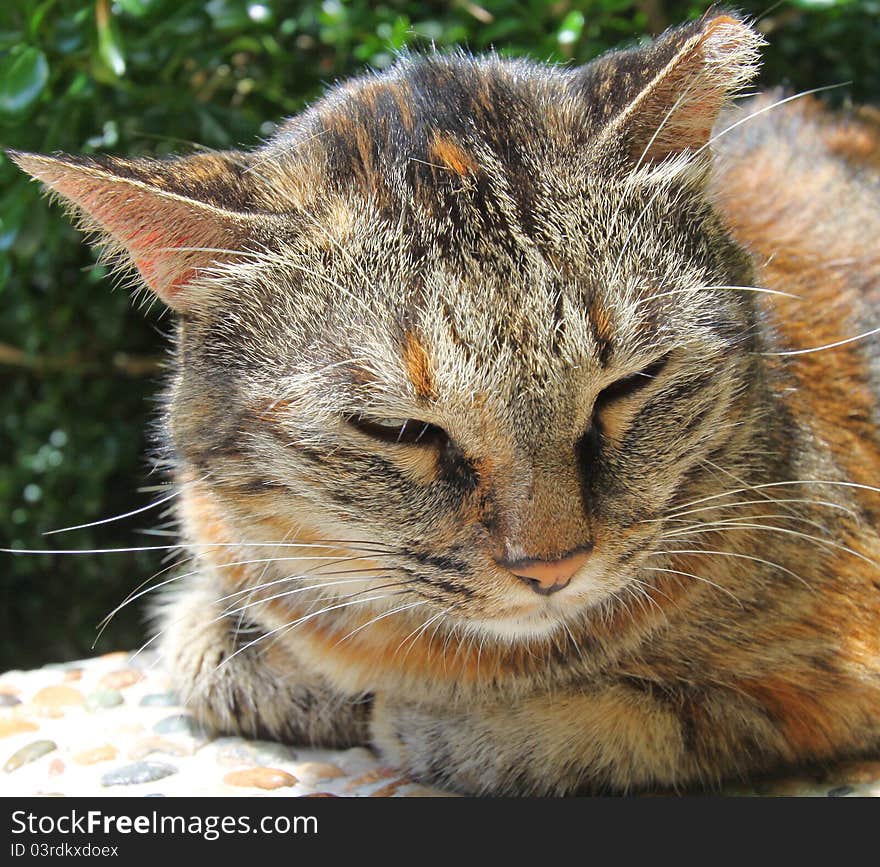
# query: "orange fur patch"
{"points": [[450, 154], [402, 98], [808, 723], [419, 367], [601, 321], [392, 650]]}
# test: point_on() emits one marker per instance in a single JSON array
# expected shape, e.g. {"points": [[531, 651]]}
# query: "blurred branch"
{"points": [[135, 366], [484, 16]]}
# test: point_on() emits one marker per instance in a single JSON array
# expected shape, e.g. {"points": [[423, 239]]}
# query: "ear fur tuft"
{"points": [[663, 100]]}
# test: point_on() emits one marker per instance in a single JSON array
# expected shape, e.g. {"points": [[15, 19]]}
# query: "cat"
{"points": [[518, 418]]}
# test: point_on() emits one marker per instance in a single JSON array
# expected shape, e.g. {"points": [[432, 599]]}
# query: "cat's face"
{"points": [[467, 322]]}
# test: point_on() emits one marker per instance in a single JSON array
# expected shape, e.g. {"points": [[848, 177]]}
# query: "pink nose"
{"points": [[548, 576]]}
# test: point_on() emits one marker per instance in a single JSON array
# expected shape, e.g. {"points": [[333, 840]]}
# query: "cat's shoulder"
{"points": [[797, 127], [801, 180]]}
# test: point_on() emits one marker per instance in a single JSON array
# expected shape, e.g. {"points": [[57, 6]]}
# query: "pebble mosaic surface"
{"points": [[109, 726]]}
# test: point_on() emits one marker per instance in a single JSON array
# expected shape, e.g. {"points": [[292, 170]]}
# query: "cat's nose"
{"points": [[548, 576]]}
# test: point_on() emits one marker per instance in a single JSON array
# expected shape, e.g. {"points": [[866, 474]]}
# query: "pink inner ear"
{"points": [[159, 232], [155, 255], [169, 239], [680, 107]]}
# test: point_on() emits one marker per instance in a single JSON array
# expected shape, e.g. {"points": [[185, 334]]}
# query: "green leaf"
{"points": [[571, 29], [5, 271], [259, 13], [110, 48], [400, 33], [820, 4], [228, 14], [138, 8], [23, 76]]}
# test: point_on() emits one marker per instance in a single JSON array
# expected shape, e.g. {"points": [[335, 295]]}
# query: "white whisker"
{"points": [[735, 554], [767, 485], [696, 577], [697, 529], [121, 517], [380, 617], [196, 546], [767, 108], [737, 519], [672, 515], [414, 636], [298, 622], [834, 345]]}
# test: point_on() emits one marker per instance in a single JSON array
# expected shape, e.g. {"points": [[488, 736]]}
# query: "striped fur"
{"points": [[498, 249]]}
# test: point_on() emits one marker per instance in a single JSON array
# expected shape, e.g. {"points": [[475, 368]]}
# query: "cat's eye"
{"points": [[409, 431], [631, 385]]}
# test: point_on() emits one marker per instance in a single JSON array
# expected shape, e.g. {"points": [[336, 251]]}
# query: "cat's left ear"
{"points": [[170, 219], [655, 102]]}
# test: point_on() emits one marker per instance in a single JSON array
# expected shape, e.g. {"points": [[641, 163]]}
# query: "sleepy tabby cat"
{"points": [[519, 421]]}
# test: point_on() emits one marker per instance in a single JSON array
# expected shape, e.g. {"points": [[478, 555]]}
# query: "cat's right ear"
{"points": [[169, 219], [655, 102]]}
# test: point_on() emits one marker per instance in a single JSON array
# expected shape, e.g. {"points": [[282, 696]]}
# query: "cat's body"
{"points": [[593, 323]]}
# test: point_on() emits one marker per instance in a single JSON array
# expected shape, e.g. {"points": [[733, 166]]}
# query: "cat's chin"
{"points": [[517, 629], [547, 618]]}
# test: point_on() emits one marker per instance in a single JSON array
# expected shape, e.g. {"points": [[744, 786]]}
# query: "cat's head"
{"points": [[469, 316]]}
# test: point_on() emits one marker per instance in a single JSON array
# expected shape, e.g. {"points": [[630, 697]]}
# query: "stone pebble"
{"points": [[159, 699], [61, 666], [236, 751], [390, 789], [16, 727], [139, 772], [180, 723], [377, 775], [103, 753], [314, 771], [120, 679], [104, 699], [260, 778], [232, 751], [268, 752], [29, 753], [155, 744], [54, 700]]}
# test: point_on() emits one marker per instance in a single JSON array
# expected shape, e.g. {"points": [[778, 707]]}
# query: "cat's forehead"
{"points": [[429, 122], [448, 335]]}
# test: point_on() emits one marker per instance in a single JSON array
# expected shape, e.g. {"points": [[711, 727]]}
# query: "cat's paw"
{"points": [[435, 747], [255, 691]]}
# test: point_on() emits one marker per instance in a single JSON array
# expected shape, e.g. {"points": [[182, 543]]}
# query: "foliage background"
{"points": [[78, 364]]}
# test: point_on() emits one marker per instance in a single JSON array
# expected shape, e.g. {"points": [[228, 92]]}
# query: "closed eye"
{"points": [[398, 431], [630, 385]]}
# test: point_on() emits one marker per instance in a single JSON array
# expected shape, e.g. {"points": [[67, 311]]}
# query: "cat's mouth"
{"points": [[600, 580], [530, 615]]}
